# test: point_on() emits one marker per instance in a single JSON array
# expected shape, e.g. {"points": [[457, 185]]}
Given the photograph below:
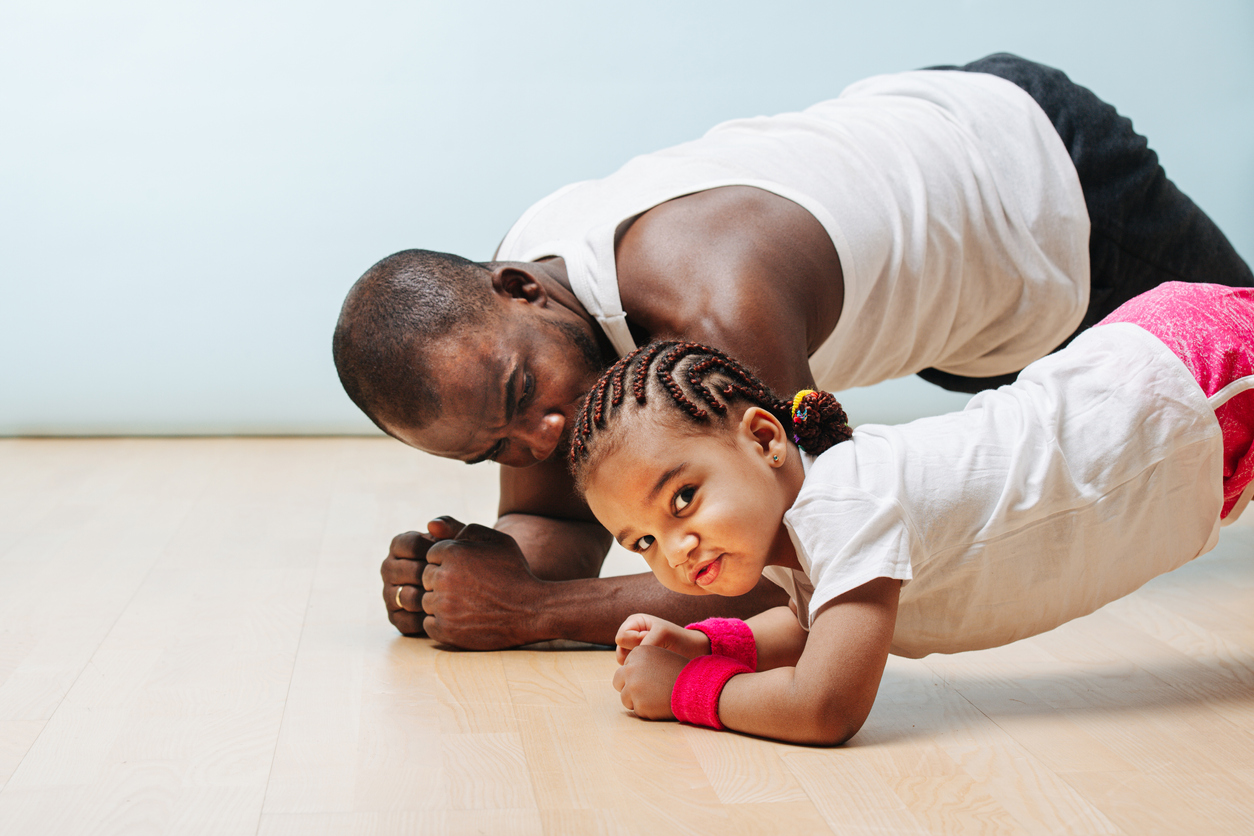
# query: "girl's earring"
{"points": [[776, 458]]}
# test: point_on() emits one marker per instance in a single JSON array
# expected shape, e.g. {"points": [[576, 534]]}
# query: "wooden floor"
{"points": [[193, 641]]}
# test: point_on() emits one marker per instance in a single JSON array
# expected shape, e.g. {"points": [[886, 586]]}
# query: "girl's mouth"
{"points": [[709, 573]]}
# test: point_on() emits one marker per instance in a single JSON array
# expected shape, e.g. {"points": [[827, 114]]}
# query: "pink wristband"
{"points": [[694, 698], [730, 637]]}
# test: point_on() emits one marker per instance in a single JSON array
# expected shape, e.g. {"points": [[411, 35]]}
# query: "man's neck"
{"points": [[557, 282]]}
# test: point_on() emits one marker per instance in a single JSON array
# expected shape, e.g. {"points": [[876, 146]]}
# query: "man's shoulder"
{"points": [[692, 227], [722, 253], [690, 221]]}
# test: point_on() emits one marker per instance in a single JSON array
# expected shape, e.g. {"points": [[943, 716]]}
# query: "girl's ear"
{"points": [[767, 434]]}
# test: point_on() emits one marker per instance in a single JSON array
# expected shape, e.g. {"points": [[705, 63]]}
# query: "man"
{"points": [[956, 223]]}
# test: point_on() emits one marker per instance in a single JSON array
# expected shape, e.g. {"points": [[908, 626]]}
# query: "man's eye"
{"points": [[684, 498], [528, 389], [643, 543]]}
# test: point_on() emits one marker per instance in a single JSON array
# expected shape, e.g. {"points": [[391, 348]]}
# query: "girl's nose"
{"points": [[680, 549]]}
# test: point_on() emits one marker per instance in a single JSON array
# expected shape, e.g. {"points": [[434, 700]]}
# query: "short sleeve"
{"points": [[847, 538]]}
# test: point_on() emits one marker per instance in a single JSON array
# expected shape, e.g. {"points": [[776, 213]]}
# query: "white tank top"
{"points": [[951, 200]]}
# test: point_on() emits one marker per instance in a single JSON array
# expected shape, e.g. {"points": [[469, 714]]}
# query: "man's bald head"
{"points": [[391, 317]]}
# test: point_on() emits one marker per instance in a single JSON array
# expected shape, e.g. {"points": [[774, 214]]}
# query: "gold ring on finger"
{"points": [[399, 605]]}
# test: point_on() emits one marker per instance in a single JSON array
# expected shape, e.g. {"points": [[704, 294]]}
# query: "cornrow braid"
{"points": [[816, 418]]}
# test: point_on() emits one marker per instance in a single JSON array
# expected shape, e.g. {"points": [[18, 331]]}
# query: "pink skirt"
{"points": [[1211, 328]]}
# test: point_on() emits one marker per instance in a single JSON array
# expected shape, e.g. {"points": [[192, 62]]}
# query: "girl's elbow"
{"points": [[835, 732], [831, 725], [846, 730]]}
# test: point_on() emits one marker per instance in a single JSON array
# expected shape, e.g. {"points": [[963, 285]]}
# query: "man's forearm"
{"points": [[491, 591], [584, 607], [591, 610]]}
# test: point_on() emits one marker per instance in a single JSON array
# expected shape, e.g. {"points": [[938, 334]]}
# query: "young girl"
{"points": [[1107, 463]]}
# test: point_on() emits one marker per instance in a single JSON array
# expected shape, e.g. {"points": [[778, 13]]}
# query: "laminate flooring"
{"points": [[192, 640]]}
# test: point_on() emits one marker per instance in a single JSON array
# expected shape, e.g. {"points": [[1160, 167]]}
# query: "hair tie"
{"points": [[796, 402], [818, 421]]}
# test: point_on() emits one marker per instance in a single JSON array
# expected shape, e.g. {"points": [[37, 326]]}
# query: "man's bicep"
{"points": [[773, 354], [544, 490], [556, 531]]}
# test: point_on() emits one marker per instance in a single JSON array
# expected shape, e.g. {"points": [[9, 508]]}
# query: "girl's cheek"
{"points": [[659, 569]]}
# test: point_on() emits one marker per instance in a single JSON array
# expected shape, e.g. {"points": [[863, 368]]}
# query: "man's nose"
{"points": [[541, 438]]}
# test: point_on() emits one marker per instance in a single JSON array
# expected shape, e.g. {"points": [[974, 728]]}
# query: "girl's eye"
{"points": [[643, 543], [684, 498]]}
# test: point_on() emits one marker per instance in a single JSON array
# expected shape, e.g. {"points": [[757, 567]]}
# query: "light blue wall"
{"points": [[187, 190]]}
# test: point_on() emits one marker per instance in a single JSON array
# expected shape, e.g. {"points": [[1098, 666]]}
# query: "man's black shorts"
{"points": [[1144, 231]]}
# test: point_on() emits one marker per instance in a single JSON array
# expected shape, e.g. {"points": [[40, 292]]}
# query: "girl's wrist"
{"points": [[694, 699], [696, 643]]}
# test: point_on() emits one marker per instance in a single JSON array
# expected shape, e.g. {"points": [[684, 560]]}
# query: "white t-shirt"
{"points": [[953, 205], [1099, 469]]}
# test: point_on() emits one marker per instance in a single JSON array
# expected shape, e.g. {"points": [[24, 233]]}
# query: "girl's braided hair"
{"points": [[700, 382]]}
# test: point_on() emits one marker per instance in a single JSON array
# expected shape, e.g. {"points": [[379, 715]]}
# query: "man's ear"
{"points": [[767, 433], [516, 280]]}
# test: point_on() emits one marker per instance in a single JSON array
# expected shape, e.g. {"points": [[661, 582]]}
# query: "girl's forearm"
{"points": [[826, 697], [779, 705], [779, 638]]}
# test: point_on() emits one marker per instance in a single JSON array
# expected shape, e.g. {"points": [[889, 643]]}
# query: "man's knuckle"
{"points": [[475, 531], [403, 542]]}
